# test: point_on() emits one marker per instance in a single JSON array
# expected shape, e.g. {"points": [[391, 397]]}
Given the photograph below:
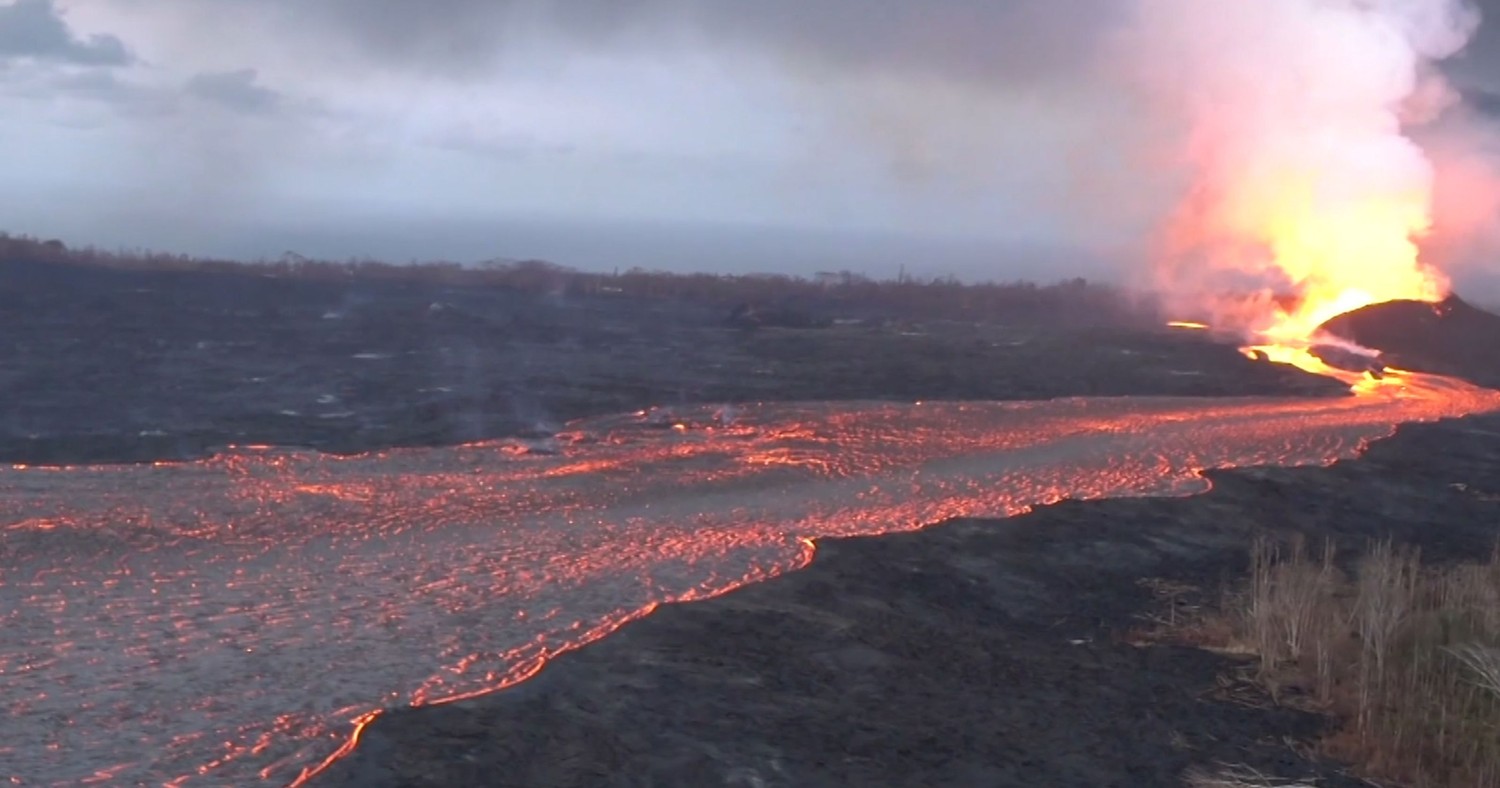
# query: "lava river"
{"points": [[222, 622]]}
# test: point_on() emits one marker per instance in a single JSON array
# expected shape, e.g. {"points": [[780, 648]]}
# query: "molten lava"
{"points": [[1336, 252], [1362, 253], [1339, 262], [224, 622]]}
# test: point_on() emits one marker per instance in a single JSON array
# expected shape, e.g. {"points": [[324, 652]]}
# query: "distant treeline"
{"points": [[1071, 301]]}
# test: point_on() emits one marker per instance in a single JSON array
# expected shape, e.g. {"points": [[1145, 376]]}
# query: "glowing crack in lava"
{"points": [[222, 622]]}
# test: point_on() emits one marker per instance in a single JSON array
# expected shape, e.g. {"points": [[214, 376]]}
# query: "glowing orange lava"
{"points": [[1355, 254], [1333, 252], [222, 622], [1338, 257], [1303, 190]]}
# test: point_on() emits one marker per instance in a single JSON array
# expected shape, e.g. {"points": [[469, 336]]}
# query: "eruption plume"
{"points": [[1291, 141]]}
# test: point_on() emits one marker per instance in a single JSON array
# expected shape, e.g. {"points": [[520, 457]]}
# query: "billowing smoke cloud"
{"points": [[1305, 147], [1312, 148], [1290, 124], [1465, 237]]}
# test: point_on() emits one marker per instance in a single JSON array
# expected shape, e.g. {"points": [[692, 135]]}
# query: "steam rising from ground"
{"points": [[1290, 124]]}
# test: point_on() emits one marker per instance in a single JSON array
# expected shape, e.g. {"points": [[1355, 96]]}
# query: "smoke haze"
{"points": [[1156, 133], [1289, 124]]}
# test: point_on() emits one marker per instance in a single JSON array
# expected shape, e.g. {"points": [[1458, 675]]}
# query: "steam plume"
{"points": [[1291, 133]]}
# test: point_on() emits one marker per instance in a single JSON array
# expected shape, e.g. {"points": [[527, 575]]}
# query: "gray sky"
{"points": [[972, 136]]}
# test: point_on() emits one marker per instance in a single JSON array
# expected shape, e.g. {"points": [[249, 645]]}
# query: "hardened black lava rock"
{"points": [[103, 365], [1451, 337]]}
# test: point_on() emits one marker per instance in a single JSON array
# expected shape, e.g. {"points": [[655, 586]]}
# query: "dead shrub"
{"points": [[1405, 657]]}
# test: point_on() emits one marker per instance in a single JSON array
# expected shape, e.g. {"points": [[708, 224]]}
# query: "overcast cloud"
{"points": [[31, 29], [250, 126]]}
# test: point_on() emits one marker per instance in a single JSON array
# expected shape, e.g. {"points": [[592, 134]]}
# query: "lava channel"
{"points": [[224, 622]]}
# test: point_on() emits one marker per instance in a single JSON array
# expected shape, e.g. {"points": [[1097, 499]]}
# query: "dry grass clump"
{"points": [[1407, 657]]}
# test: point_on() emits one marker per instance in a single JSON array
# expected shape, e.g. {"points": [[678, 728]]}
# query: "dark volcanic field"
{"points": [[102, 365], [970, 654]]}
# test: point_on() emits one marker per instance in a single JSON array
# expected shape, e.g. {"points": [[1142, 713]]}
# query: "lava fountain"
{"points": [[1300, 182]]}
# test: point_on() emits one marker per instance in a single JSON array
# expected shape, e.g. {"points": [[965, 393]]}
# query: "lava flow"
{"points": [[222, 622]]}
